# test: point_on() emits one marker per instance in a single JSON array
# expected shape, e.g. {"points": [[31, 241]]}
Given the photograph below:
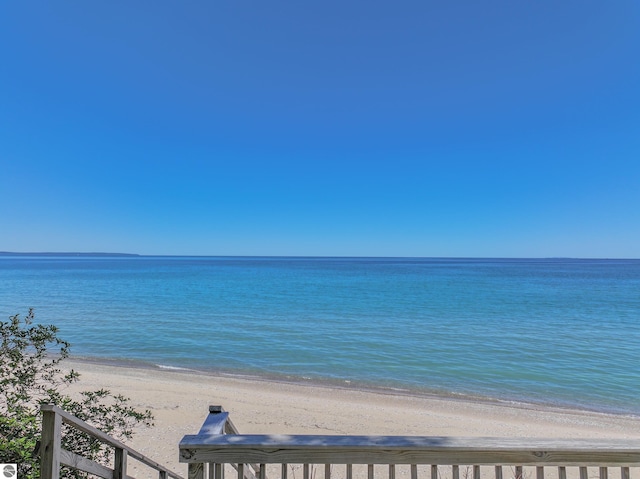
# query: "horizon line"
{"points": [[137, 255]]}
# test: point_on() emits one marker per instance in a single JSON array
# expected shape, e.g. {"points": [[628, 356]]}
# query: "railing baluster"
{"points": [[434, 471], [562, 472], [498, 472], [305, 471], [584, 474], [327, 471], [196, 470], [216, 471], [349, 471], [455, 472], [476, 472], [518, 472], [392, 471], [414, 471], [284, 471], [370, 471], [604, 473], [240, 471]]}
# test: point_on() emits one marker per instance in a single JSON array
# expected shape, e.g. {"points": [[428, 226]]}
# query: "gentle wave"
{"points": [[174, 368]]}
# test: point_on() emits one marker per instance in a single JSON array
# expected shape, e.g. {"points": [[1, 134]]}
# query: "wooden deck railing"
{"points": [[52, 455], [218, 448]]}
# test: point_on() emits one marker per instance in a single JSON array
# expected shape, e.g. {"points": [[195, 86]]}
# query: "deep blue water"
{"points": [[558, 331]]}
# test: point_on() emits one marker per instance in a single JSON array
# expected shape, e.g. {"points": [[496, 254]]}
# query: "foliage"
{"points": [[30, 375]]}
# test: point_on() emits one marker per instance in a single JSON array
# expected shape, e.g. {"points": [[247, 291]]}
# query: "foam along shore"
{"points": [[179, 401]]}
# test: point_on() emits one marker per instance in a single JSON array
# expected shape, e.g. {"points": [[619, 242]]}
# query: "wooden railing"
{"points": [[52, 455], [218, 448]]}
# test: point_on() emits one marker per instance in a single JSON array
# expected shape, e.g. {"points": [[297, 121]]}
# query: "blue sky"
{"points": [[356, 128]]}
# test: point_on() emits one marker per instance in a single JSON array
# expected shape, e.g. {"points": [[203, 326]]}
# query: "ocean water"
{"points": [[560, 332]]}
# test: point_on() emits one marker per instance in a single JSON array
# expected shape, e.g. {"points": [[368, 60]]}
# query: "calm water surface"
{"points": [[564, 332]]}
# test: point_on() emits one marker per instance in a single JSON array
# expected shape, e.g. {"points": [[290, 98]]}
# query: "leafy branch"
{"points": [[30, 375]]}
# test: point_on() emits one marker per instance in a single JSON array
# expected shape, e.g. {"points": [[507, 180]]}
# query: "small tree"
{"points": [[30, 355]]}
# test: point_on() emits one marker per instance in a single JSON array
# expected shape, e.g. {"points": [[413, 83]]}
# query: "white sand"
{"points": [[179, 401]]}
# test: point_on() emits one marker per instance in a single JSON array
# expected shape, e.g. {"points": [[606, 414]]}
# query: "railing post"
{"points": [[120, 464], [50, 445]]}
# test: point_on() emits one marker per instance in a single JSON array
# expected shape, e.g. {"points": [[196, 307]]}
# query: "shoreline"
{"points": [[357, 386], [179, 401]]}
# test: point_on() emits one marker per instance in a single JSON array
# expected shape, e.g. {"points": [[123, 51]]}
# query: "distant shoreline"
{"points": [[68, 255]]}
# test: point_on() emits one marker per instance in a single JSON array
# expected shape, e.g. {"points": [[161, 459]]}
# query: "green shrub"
{"points": [[30, 375]]}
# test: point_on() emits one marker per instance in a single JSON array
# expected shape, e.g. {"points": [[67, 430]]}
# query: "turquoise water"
{"points": [[561, 332]]}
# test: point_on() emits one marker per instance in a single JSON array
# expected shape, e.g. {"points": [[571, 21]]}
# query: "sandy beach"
{"points": [[179, 401]]}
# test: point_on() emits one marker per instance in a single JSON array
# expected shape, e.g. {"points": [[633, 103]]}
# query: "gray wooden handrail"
{"points": [[213, 447], [276, 449], [52, 455]]}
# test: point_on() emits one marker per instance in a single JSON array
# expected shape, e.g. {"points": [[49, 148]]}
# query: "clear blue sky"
{"points": [[335, 127]]}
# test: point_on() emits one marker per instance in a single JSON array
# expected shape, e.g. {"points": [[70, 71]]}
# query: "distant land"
{"points": [[9, 253]]}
